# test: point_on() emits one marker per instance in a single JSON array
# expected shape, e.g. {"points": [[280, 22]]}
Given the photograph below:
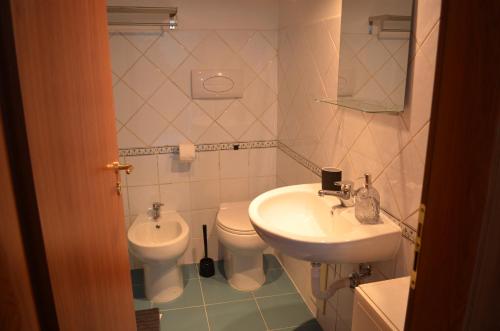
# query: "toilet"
{"points": [[159, 244], [243, 248]]}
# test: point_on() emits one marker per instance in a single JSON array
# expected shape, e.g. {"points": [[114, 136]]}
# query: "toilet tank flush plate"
{"points": [[217, 84]]}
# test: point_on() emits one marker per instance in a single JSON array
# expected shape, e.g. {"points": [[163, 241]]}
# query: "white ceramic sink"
{"points": [[299, 223]]}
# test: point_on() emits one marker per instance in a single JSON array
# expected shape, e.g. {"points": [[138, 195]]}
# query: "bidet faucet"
{"points": [[345, 194], [155, 211]]}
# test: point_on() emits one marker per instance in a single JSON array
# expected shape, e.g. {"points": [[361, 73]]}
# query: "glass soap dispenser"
{"points": [[367, 203]]}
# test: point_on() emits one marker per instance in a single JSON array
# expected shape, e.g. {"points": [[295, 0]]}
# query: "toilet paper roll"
{"points": [[187, 152]]}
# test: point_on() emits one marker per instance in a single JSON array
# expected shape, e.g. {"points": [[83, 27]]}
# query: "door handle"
{"points": [[117, 166]]}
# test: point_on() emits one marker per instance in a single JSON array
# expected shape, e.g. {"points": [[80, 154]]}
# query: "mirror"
{"points": [[374, 51]]}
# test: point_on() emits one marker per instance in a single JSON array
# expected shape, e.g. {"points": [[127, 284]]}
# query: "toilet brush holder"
{"points": [[207, 268]]}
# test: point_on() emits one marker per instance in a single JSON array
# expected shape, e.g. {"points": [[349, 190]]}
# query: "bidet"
{"points": [[159, 244]]}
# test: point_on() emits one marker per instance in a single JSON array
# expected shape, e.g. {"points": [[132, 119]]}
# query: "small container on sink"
{"points": [[367, 203]]}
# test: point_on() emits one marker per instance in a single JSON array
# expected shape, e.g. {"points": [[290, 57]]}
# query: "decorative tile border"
{"points": [[300, 159], [407, 231], [199, 148]]}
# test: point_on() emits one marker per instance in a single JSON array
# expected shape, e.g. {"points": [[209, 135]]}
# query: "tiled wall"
{"points": [[151, 84], [152, 75], [391, 147], [195, 190]]}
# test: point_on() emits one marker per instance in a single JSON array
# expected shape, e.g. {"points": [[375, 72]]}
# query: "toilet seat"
{"points": [[233, 217]]}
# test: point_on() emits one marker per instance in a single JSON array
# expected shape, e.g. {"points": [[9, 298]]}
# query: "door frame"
{"points": [[455, 264]]}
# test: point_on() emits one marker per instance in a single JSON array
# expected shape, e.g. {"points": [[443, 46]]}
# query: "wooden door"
{"points": [[17, 303], [65, 82], [457, 283]]}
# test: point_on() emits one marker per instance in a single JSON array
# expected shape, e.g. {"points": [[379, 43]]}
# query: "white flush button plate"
{"points": [[217, 84]]}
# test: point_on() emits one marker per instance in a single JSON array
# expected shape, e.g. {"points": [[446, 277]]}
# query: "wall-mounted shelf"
{"points": [[367, 106], [390, 26], [143, 16]]}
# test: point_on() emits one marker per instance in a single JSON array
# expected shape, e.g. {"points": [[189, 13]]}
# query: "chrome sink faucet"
{"points": [[155, 211], [345, 194]]}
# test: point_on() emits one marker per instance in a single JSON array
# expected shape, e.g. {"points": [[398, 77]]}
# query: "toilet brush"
{"points": [[207, 268]]}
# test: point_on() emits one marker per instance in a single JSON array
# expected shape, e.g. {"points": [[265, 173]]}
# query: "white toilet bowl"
{"points": [[243, 248], [159, 243]]}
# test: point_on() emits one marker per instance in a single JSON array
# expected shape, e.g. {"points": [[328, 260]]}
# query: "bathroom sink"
{"points": [[299, 223]]}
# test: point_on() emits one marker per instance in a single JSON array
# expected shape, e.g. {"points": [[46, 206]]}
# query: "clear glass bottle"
{"points": [[367, 202]]}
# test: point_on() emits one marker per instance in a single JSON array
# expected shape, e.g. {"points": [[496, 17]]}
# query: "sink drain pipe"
{"points": [[353, 280]]}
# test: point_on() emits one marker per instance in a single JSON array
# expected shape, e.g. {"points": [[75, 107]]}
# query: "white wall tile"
{"points": [[126, 139], [236, 119], [405, 175], [258, 97], [193, 122], [175, 196], [200, 217], [205, 194], [145, 170], [142, 40], [127, 102], [262, 162], [126, 210], [257, 52], [182, 75], [147, 124], [168, 100], [234, 189], [171, 136], [234, 164], [189, 38], [144, 78], [142, 197], [259, 185], [215, 134], [257, 131], [123, 54], [172, 170], [404, 259], [205, 166], [166, 53]]}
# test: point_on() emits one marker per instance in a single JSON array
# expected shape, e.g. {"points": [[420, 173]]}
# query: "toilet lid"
{"points": [[234, 216]]}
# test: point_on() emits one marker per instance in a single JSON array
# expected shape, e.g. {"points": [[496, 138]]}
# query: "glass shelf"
{"points": [[368, 106]]}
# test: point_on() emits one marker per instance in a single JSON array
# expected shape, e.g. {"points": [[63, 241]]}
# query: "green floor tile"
{"points": [[271, 262], [188, 319], [284, 311], [235, 316], [216, 289], [229, 309], [189, 298], [277, 282]]}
